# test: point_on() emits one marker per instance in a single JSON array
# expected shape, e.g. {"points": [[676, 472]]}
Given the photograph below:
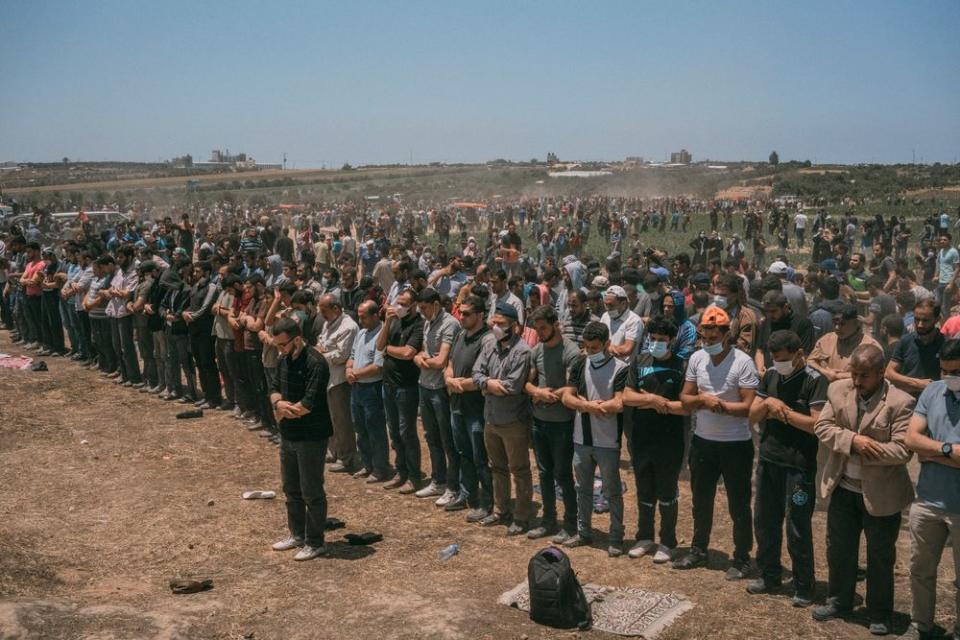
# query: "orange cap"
{"points": [[715, 316]]}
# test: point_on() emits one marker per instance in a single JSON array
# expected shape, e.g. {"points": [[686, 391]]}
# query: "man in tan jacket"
{"points": [[863, 427]]}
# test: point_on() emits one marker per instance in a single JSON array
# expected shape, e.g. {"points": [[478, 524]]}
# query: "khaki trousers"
{"points": [[508, 449]]}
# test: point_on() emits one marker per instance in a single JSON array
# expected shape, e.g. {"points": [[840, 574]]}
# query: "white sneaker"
{"points": [[642, 548], [309, 553], [447, 497], [663, 554], [431, 490], [287, 543]]}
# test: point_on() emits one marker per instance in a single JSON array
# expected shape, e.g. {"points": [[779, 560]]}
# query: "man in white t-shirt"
{"points": [[721, 383], [626, 327], [800, 225]]}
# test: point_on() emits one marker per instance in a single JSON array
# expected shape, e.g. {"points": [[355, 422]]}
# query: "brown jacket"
{"points": [[743, 331], [886, 486]]}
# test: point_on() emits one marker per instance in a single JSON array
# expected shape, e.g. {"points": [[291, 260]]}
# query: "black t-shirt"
{"points": [[794, 322], [463, 353], [407, 332], [781, 443], [659, 377], [919, 360]]}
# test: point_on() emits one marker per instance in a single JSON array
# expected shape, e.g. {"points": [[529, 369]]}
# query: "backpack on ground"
{"points": [[556, 598]]}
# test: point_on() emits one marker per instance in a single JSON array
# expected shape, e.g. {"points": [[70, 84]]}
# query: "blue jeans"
{"points": [[586, 459], [400, 404], [370, 424], [71, 322], [444, 459], [553, 448], [467, 430]]}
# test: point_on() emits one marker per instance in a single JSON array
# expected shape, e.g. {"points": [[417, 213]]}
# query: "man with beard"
{"points": [[576, 316], [335, 343], [831, 354], [778, 315], [915, 362], [467, 409]]}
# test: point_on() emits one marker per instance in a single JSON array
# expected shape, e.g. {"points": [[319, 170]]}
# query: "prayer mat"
{"points": [[624, 612]]}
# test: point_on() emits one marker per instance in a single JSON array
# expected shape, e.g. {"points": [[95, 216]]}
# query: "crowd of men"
{"points": [[330, 333]]}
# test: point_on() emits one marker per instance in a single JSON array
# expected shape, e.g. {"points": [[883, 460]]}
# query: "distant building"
{"points": [[633, 161], [224, 157], [681, 157]]}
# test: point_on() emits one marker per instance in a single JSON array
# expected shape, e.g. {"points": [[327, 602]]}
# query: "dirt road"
{"points": [[106, 497]]}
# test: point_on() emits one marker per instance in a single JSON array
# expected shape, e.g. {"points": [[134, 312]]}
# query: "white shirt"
{"points": [[628, 326], [800, 220], [736, 371]]}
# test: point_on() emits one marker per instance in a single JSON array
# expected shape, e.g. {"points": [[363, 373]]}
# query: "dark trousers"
{"points": [[103, 344], [257, 394], [370, 425], [33, 315], [400, 404], [68, 314], [145, 346], [444, 459], [180, 360], [656, 470], [202, 347], [85, 332], [785, 493], [476, 481], [301, 471], [847, 517], [226, 364], [553, 449], [51, 324], [121, 331], [733, 461]]}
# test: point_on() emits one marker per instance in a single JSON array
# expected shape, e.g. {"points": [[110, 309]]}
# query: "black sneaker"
{"points": [[517, 527], [761, 585], [544, 530], [495, 519], [738, 570], [578, 540], [830, 611], [458, 504], [695, 558]]}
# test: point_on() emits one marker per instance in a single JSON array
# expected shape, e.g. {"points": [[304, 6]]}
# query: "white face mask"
{"points": [[713, 349], [615, 313], [597, 359], [783, 367], [720, 301], [498, 332], [402, 311], [953, 383]]}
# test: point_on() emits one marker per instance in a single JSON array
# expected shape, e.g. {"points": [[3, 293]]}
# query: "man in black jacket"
{"points": [[199, 319], [299, 400]]}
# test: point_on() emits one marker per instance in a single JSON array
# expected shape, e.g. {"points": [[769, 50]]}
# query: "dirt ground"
{"points": [[106, 497]]}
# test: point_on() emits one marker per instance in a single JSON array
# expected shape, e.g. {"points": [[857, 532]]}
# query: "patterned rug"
{"points": [[625, 612]]}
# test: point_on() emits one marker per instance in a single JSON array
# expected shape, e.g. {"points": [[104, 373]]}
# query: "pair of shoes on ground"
{"points": [[306, 552]]}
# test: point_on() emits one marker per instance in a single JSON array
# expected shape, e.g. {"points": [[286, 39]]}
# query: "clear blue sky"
{"points": [[453, 81]]}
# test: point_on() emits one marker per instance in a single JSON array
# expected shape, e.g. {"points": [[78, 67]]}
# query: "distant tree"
{"points": [[66, 160], [534, 161], [346, 167], [552, 158], [774, 158]]}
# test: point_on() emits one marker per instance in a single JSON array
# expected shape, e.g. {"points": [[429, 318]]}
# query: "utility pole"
{"points": [[284, 160]]}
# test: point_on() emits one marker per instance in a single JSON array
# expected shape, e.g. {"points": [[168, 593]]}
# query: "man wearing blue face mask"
{"points": [[787, 405], [721, 382], [656, 448]]}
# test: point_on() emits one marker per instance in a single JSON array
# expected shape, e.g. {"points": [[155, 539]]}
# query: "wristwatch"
{"points": [[947, 449]]}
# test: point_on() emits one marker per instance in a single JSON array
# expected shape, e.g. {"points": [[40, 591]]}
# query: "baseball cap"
{"points": [[507, 311], [715, 316], [778, 268], [600, 282], [700, 278], [616, 291]]}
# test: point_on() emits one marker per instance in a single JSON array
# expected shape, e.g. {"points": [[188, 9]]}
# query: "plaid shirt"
{"points": [[304, 379]]}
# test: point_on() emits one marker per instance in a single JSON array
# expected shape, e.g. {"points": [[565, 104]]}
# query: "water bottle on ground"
{"points": [[448, 552]]}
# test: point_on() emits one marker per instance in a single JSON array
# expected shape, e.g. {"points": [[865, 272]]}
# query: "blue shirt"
{"points": [[365, 353], [939, 485]]}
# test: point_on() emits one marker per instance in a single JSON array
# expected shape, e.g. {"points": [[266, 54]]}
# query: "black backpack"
{"points": [[556, 598]]}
